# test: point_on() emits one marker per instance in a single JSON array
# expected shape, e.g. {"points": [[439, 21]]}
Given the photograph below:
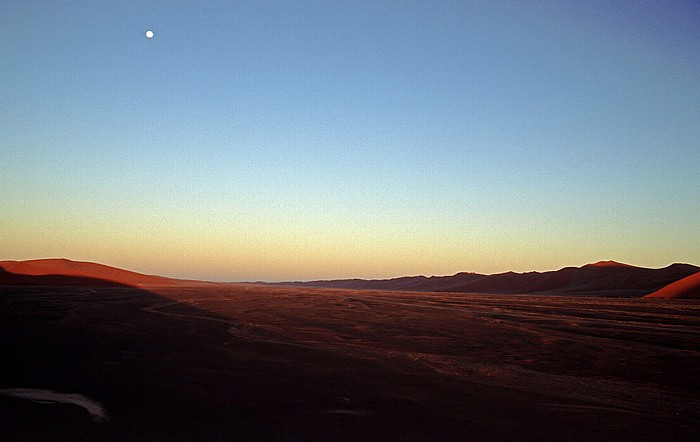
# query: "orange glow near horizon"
{"points": [[276, 256]]}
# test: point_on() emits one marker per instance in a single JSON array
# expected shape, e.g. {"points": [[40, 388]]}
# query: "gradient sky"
{"points": [[327, 139]]}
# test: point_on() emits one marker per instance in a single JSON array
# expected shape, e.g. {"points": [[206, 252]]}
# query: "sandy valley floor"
{"points": [[245, 362]]}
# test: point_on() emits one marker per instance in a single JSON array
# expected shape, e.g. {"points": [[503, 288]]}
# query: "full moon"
{"points": [[149, 34]]}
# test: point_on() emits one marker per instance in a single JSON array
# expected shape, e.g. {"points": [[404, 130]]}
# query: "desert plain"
{"points": [[251, 362]]}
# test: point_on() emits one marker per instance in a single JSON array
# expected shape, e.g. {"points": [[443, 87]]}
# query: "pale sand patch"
{"points": [[96, 410]]}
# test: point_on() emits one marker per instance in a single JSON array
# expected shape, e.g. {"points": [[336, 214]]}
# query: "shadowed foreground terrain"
{"points": [[242, 362]]}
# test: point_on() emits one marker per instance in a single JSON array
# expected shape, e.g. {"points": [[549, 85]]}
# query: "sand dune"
{"points": [[64, 267], [54, 280], [686, 288]]}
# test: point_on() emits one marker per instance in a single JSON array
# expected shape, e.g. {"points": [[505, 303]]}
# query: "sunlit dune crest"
{"points": [[609, 264], [686, 288]]}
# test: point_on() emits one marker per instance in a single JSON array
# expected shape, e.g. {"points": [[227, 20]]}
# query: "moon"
{"points": [[149, 34]]}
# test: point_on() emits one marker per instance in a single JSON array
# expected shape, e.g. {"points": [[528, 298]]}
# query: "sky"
{"points": [[278, 140]]}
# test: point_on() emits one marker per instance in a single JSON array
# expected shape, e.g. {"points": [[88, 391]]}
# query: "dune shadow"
{"points": [[159, 377], [8, 278], [167, 370]]}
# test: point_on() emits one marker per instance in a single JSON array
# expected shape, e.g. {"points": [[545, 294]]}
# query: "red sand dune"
{"points": [[65, 267], [686, 288]]}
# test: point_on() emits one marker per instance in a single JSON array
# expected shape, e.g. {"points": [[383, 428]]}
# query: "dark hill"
{"points": [[604, 278], [412, 283]]}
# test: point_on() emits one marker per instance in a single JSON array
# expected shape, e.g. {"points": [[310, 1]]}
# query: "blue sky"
{"points": [[278, 140]]}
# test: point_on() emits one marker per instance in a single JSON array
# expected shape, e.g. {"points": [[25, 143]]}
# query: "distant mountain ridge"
{"points": [[604, 278]]}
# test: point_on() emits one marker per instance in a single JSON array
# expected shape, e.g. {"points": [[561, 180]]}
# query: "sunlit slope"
{"points": [[65, 267], [686, 288]]}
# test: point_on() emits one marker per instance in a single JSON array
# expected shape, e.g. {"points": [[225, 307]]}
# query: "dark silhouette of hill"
{"points": [[686, 288], [603, 278], [412, 283], [600, 278]]}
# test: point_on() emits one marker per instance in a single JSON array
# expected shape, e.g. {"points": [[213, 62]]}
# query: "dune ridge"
{"points": [[686, 288]]}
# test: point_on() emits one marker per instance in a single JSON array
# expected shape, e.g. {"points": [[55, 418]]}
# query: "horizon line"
{"points": [[601, 263]]}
